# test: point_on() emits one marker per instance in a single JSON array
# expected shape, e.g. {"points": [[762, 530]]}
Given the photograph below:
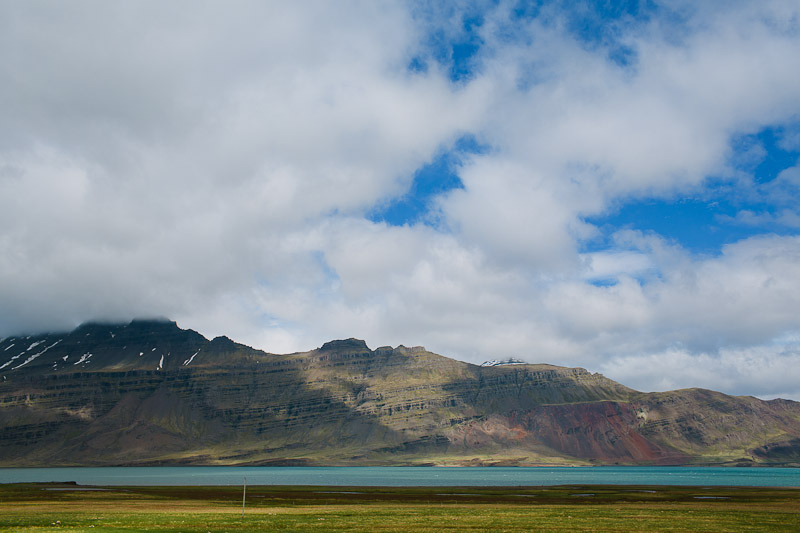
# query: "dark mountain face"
{"points": [[149, 392]]}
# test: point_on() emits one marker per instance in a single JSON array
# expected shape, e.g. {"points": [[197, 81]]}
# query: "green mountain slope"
{"points": [[149, 392]]}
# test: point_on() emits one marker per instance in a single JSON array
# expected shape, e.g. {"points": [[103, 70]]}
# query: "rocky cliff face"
{"points": [[149, 392]]}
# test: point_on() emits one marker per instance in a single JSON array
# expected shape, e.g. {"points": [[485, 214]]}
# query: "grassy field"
{"points": [[58, 507]]}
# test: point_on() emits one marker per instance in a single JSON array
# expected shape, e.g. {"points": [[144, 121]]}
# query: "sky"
{"points": [[610, 185]]}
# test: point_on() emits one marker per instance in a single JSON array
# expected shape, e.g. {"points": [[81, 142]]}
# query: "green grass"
{"points": [[36, 507]]}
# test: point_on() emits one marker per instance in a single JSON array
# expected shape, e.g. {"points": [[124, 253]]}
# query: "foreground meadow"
{"points": [[59, 507]]}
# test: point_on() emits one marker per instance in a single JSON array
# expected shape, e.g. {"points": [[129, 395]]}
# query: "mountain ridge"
{"points": [[149, 392]]}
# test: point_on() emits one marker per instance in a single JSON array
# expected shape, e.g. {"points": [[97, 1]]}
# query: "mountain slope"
{"points": [[149, 392]]}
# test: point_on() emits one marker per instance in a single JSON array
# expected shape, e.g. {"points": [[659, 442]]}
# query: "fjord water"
{"points": [[409, 476]]}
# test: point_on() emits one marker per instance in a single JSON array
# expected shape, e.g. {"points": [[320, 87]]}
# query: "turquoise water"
{"points": [[410, 476]]}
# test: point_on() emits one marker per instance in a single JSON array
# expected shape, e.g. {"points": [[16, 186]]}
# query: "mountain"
{"points": [[149, 393]]}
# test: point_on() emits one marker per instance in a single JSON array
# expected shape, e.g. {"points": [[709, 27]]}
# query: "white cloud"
{"points": [[607, 265], [176, 159], [746, 296], [767, 371]]}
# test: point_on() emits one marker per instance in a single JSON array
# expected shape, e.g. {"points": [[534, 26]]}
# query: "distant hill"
{"points": [[149, 393]]}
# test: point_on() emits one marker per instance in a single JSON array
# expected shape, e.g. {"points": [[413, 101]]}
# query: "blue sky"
{"points": [[701, 220], [418, 205], [705, 220], [611, 185]]}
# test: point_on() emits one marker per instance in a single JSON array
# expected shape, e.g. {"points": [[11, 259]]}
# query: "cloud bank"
{"points": [[219, 164]]}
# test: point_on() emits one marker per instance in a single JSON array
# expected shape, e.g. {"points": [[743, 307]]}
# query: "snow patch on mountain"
{"points": [[34, 356], [84, 358], [186, 363], [509, 361]]}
